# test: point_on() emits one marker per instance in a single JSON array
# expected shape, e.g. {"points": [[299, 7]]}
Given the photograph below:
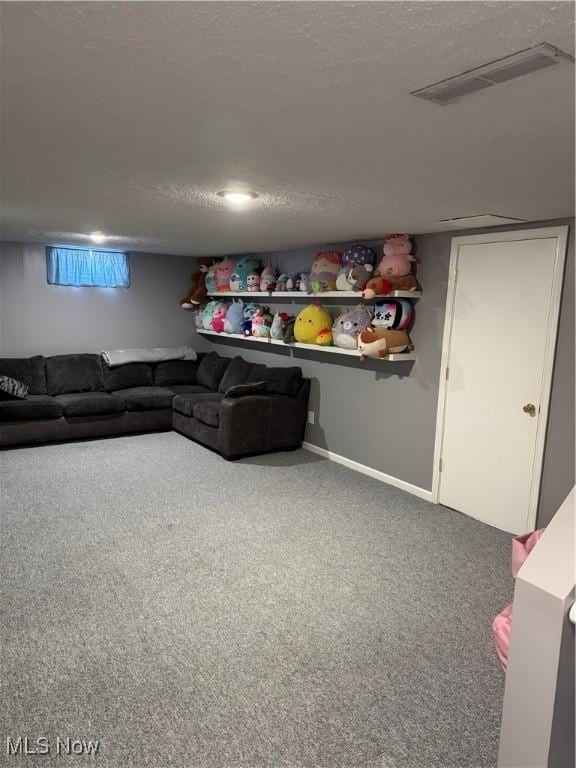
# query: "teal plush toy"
{"points": [[207, 314], [239, 277]]}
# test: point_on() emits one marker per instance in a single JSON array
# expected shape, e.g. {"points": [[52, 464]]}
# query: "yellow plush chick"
{"points": [[311, 321]]}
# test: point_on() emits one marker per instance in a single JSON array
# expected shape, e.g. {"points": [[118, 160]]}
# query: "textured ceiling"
{"points": [[128, 117]]}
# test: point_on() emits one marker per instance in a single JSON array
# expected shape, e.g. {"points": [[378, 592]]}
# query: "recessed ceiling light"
{"points": [[236, 196], [97, 237]]}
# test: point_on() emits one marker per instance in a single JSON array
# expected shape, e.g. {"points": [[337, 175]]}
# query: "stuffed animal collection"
{"points": [[352, 270], [376, 331]]}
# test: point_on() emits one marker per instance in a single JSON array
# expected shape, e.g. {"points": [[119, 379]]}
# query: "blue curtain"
{"points": [[86, 267]]}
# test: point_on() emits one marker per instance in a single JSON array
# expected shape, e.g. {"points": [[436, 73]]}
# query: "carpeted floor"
{"points": [[280, 611]]}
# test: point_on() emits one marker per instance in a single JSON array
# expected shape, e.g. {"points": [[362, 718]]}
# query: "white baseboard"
{"points": [[422, 493]]}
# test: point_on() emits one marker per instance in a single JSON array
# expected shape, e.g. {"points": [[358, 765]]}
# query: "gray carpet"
{"points": [[280, 611]]}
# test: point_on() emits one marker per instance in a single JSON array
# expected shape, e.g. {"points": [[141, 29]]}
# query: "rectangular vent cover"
{"points": [[481, 220], [500, 71]]}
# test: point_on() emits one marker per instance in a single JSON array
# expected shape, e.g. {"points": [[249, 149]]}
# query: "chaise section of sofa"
{"points": [[249, 409]]}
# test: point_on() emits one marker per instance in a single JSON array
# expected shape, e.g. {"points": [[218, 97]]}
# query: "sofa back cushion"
{"points": [[74, 373], [125, 376], [211, 369], [281, 381], [28, 370], [176, 372], [236, 373]]}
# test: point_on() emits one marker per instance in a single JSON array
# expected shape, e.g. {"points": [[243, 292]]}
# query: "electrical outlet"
{"points": [[311, 417]]}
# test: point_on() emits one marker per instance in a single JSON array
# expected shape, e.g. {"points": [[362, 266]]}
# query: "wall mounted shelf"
{"points": [[309, 296], [401, 357]]}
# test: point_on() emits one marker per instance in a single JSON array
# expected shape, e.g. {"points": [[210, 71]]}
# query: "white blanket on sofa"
{"points": [[115, 357]]}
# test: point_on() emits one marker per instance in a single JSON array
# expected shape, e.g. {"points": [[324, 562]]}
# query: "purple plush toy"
{"points": [[356, 255]]}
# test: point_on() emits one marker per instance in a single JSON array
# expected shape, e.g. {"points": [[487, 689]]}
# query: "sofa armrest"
{"points": [[245, 425], [259, 423]]}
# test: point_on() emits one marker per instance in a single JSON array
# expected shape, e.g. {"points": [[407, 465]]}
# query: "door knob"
{"points": [[529, 408]]}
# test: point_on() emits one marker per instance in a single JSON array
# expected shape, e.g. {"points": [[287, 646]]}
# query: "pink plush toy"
{"points": [[395, 269], [224, 269], [268, 279], [398, 257], [218, 317]]}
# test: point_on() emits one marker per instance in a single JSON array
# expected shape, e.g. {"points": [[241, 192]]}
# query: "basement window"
{"points": [[86, 267]]}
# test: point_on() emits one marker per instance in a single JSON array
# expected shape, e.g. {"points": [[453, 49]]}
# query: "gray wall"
{"points": [[381, 415], [384, 415], [49, 319]]}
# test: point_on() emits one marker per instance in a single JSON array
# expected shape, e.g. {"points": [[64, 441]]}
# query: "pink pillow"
{"points": [[501, 628], [502, 624]]}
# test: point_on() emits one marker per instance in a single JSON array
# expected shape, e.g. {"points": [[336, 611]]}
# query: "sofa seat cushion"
{"points": [[185, 403], [125, 376], [74, 373], [90, 404], [33, 408], [211, 369], [145, 398], [188, 389], [207, 413], [29, 370]]}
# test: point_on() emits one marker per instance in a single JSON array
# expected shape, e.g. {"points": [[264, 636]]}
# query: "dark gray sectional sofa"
{"points": [[79, 396]]}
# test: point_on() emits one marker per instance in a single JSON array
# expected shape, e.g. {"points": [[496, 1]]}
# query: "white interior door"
{"points": [[498, 354]]}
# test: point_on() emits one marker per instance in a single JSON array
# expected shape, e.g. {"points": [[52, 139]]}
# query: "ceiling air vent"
{"points": [[524, 62], [481, 220]]}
